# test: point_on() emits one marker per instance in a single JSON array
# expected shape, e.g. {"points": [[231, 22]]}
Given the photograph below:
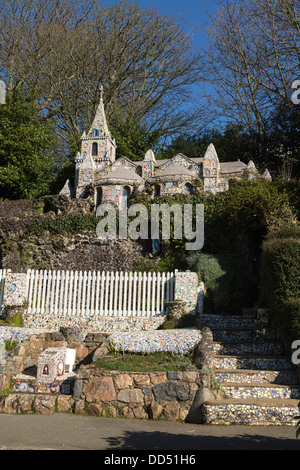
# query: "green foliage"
{"points": [[26, 145], [133, 139], [279, 280], [217, 274], [156, 361], [64, 224], [232, 143], [10, 345]]}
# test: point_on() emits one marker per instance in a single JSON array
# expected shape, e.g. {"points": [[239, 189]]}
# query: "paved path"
{"points": [[71, 432]]}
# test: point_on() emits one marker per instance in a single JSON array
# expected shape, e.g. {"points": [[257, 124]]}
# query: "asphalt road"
{"points": [[72, 432]]}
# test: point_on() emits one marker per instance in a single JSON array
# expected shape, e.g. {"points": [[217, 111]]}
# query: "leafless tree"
{"points": [[63, 50], [253, 57]]}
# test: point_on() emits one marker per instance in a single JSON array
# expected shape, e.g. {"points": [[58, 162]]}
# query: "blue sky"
{"points": [[196, 14], [194, 11]]}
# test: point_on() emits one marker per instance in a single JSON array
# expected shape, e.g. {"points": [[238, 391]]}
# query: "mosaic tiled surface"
{"points": [[63, 386], [258, 363], [266, 334], [258, 381], [261, 391], [95, 324], [249, 414], [18, 334], [51, 364], [245, 376], [232, 322], [15, 293], [252, 348], [186, 289], [179, 341]]}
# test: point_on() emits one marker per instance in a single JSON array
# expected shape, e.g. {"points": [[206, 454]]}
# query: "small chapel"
{"points": [[113, 180]]}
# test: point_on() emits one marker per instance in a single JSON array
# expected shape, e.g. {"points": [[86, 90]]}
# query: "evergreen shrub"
{"points": [[280, 279]]}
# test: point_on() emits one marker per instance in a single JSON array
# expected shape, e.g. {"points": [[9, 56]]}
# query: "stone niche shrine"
{"points": [[53, 363]]}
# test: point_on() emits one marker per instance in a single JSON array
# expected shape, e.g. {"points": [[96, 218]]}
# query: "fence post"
{"points": [[14, 292], [186, 289]]}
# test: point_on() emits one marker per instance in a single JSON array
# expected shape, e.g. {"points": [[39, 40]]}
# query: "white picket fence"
{"points": [[95, 293]]}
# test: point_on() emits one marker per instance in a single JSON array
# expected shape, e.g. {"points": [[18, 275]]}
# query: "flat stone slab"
{"points": [[179, 341], [19, 334]]}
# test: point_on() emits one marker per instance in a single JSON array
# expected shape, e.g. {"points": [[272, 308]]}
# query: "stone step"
{"points": [[252, 412], [250, 391], [232, 321], [253, 362], [265, 348], [256, 376], [244, 334]]}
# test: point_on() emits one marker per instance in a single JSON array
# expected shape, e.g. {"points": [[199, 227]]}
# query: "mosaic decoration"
{"points": [[15, 289], [250, 365], [148, 169], [186, 289], [64, 386], [180, 160], [179, 341], [19, 334], [200, 298], [98, 145], [248, 414], [51, 364], [91, 324], [172, 187]]}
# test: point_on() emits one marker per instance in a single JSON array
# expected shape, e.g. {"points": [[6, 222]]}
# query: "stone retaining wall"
{"points": [[153, 395], [140, 395]]}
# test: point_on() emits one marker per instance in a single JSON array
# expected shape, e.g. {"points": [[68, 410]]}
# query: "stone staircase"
{"points": [[257, 379]]}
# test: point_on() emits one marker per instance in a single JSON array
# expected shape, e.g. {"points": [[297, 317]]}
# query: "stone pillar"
{"points": [[200, 298], [15, 292], [186, 289]]}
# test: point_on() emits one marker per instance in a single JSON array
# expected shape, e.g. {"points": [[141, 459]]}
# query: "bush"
{"points": [[64, 224], [279, 280], [217, 274], [286, 318]]}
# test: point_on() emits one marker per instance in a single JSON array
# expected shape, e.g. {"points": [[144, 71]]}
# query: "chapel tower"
{"points": [[98, 149]]}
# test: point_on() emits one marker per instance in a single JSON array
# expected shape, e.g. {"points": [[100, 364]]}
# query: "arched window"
{"points": [[156, 190], [95, 149], [99, 197], [96, 132], [188, 189], [125, 196]]}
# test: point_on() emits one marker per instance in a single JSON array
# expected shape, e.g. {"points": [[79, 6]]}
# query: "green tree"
{"points": [[133, 139], [232, 143], [26, 148]]}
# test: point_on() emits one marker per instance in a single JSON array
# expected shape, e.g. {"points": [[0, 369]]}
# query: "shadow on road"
{"points": [[164, 441]]}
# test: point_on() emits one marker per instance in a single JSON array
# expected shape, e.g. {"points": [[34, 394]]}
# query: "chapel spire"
{"points": [[99, 122]]}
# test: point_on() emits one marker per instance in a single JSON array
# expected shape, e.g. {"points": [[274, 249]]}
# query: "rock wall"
{"points": [[143, 395], [20, 251], [172, 395]]}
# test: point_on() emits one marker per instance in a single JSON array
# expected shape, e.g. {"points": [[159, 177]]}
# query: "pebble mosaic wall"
{"points": [[18, 334], [15, 294], [179, 341], [259, 376], [263, 391], [267, 363], [252, 348], [95, 324], [15, 290], [186, 289], [181, 160], [249, 414]]}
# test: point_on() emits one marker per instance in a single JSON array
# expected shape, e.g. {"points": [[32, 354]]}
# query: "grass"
{"points": [[149, 362]]}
